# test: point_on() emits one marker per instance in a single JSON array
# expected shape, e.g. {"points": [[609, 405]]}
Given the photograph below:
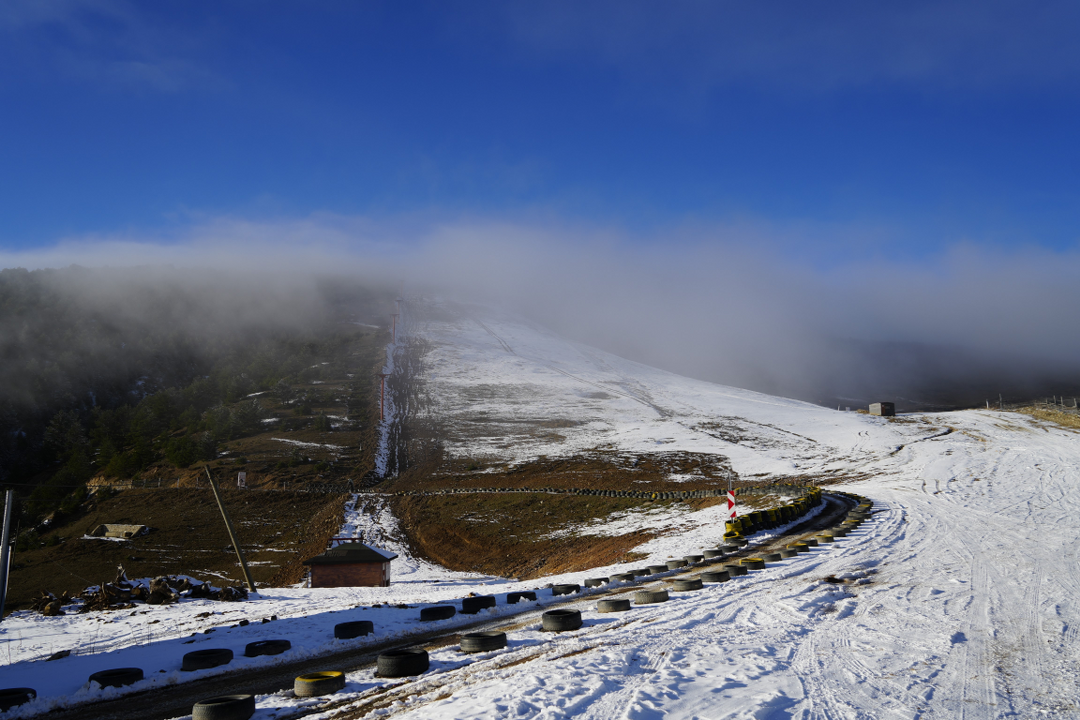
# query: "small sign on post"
{"points": [[241, 480], [731, 504]]}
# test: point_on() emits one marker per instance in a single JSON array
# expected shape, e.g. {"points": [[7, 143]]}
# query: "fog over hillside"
{"points": [[736, 304]]}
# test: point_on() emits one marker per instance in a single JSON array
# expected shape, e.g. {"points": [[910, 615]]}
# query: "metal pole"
{"points": [[232, 533], [5, 549]]}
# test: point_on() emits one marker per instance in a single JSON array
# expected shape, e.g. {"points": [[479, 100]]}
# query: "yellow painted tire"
{"points": [[319, 683]]}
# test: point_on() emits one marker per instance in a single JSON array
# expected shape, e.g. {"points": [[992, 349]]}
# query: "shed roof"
{"points": [[351, 553]]}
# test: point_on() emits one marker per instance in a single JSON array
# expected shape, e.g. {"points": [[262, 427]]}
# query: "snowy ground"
{"points": [[961, 599]]}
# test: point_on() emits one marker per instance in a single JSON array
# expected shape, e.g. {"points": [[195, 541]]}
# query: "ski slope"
{"points": [[959, 599]]}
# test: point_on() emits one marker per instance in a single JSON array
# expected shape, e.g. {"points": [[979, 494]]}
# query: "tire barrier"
{"points": [[117, 678], [713, 554], [319, 683], [729, 547], [561, 620], [799, 547], [675, 564], [624, 577], [753, 563], [825, 538], [838, 531], [812, 542], [640, 572], [597, 582], [224, 707], [473, 605], [402, 663], [649, 597], [475, 642], [715, 576], [515, 597], [438, 612], [618, 605], [735, 570], [772, 557], [693, 559], [206, 659], [11, 697], [788, 553], [657, 569], [567, 589], [687, 585], [354, 629], [269, 647]]}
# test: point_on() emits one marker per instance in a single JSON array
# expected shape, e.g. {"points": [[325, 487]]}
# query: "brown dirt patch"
{"points": [[505, 534], [277, 530]]}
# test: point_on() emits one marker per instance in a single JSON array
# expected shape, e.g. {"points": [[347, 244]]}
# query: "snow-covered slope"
{"points": [[960, 599], [499, 385]]}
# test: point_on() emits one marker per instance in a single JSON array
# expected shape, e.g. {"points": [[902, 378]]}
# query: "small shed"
{"points": [[125, 532], [885, 409], [351, 565]]}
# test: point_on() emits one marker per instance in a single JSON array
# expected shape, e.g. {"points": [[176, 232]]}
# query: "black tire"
{"points": [[753, 563], [514, 597], [624, 577], [402, 663], [567, 589], [649, 597], [319, 683], [772, 557], [729, 547], [596, 582], [10, 697], [473, 605], [225, 707], [716, 576], [618, 605], [354, 629], [692, 559], [205, 659], [825, 538], [437, 612], [714, 554], [483, 641], [117, 678], [811, 542], [268, 647], [561, 620], [799, 547], [657, 569], [735, 570], [640, 572], [788, 553], [674, 564], [686, 585]]}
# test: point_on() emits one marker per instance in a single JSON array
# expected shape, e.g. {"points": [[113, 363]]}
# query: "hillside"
{"points": [[955, 599]]}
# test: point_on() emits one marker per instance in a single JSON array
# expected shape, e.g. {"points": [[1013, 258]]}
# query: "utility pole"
{"points": [[232, 533], [5, 549]]}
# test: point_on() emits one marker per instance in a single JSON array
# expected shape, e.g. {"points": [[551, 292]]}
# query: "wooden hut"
{"points": [[351, 564], [885, 409]]}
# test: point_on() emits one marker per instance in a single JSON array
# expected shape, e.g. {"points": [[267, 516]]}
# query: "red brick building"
{"points": [[351, 565]]}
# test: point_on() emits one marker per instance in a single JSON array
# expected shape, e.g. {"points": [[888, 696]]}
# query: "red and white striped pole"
{"points": [[731, 505]]}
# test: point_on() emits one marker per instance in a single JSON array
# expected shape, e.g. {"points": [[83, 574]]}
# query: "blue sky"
{"points": [[847, 130]]}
